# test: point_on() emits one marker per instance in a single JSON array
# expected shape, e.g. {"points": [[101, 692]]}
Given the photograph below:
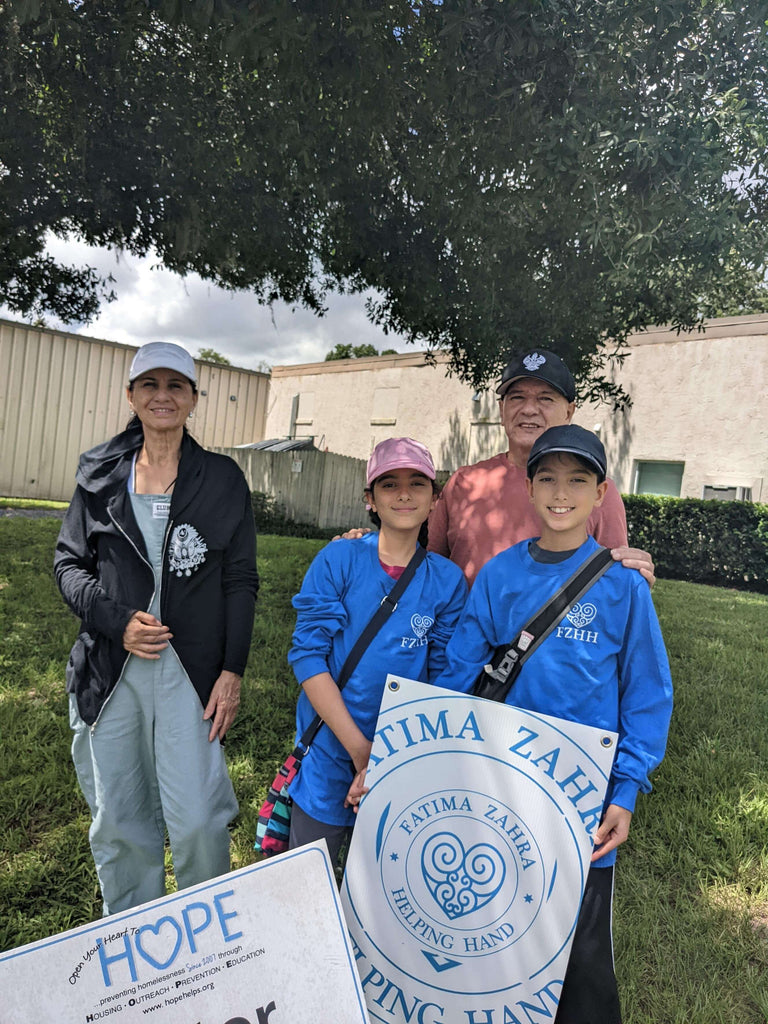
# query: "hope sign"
{"points": [[159, 944]]}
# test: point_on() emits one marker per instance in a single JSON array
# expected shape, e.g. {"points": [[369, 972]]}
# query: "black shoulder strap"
{"points": [[498, 676], [377, 620], [382, 613]]}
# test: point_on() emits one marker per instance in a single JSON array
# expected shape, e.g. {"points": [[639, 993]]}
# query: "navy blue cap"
{"points": [[573, 440], [541, 365]]}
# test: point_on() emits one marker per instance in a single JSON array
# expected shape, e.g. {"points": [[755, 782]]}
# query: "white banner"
{"points": [[469, 857], [263, 945]]}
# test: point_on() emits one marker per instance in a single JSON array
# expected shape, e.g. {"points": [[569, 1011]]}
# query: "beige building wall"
{"points": [[349, 405], [697, 399], [62, 393]]}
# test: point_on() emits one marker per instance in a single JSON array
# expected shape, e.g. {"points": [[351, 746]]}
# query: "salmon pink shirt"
{"points": [[485, 509]]}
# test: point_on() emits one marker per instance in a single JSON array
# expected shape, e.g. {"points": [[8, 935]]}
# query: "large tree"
{"points": [[553, 172]]}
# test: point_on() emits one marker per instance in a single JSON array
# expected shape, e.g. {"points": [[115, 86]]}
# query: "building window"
{"points": [[384, 412], [659, 478]]}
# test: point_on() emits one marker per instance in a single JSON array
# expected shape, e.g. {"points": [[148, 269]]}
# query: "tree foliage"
{"points": [[212, 356], [554, 172], [344, 350]]}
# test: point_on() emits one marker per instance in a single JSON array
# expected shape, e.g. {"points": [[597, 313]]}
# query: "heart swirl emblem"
{"points": [[420, 624], [460, 880], [581, 615]]}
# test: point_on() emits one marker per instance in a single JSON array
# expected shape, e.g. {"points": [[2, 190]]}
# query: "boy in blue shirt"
{"points": [[605, 665]]}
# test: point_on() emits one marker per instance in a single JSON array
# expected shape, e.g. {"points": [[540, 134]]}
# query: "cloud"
{"points": [[154, 304]]}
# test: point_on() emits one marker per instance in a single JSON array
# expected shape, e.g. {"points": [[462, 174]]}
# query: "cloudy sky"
{"points": [[155, 305]]}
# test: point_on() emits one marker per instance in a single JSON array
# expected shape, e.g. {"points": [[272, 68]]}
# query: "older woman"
{"points": [[157, 556]]}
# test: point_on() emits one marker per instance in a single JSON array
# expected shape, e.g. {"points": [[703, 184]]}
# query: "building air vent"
{"points": [[725, 492]]}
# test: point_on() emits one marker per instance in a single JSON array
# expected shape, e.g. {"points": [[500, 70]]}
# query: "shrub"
{"points": [[722, 543], [271, 516]]}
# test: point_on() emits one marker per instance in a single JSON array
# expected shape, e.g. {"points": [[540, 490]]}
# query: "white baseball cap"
{"points": [[157, 355]]}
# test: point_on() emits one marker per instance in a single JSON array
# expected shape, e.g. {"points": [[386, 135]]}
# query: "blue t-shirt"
{"points": [[342, 589], [604, 665]]}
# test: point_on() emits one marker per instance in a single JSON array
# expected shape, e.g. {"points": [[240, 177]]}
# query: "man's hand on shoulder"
{"points": [[634, 558], [354, 534]]}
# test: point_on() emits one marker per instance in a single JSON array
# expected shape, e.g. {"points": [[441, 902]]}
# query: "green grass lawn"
{"points": [[36, 504], [691, 912]]}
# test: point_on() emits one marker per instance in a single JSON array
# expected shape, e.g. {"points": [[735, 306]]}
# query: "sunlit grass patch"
{"points": [[691, 908]]}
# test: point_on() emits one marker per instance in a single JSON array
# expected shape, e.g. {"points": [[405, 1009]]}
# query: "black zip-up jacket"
{"points": [[209, 578]]}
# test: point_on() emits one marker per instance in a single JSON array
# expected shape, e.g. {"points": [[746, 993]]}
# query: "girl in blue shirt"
{"points": [[342, 589]]}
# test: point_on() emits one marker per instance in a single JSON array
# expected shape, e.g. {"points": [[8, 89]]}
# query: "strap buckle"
{"points": [[505, 666]]}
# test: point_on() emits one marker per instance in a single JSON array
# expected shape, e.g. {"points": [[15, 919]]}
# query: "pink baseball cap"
{"points": [[399, 453]]}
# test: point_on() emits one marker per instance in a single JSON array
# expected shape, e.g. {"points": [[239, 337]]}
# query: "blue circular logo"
{"points": [[462, 874]]}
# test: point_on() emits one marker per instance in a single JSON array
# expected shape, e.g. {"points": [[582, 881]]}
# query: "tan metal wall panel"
{"points": [[10, 376], [220, 421], [62, 393]]}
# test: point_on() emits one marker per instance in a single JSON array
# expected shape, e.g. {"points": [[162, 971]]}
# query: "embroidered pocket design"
{"points": [[186, 550]]}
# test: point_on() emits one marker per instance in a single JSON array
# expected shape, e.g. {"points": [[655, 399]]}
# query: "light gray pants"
{"points": [[147, 765]]}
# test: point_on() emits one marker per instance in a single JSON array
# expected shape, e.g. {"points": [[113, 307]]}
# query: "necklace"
{"points": [[170, 485]]}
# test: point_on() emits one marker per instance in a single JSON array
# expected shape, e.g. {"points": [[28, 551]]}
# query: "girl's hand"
{"points": [[357, 791]]}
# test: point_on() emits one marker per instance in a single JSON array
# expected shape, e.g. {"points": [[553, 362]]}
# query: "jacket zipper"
{"points": [[164, 552], [152, 598]]}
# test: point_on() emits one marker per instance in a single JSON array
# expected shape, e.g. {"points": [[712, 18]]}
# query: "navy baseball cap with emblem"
{"points": [[541, 365], [574, 440]]}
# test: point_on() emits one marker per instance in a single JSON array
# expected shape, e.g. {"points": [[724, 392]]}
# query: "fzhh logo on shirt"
{"points": [[186, 551], [579, 616], [420, 624]]}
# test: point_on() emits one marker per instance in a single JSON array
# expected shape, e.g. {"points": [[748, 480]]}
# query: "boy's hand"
{"points": [[634, 558], [357, 791], [613, 831], [356, 533]]}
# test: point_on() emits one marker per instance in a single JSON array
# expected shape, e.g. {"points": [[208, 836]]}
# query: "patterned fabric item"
{"points": [[274, 822]]}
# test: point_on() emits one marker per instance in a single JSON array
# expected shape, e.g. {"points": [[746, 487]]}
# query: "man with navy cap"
{"points": [[613, 676], [484, 508]]}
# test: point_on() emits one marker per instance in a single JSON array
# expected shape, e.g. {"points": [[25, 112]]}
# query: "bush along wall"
{"points": [[722, 543], [271, 516]]}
